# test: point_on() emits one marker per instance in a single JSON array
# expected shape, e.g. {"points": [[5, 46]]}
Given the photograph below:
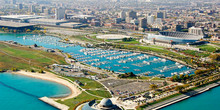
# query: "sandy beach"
{"points": [[54, 78]]}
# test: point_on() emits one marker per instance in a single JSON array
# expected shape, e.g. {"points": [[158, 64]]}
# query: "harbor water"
{"points": [[117, 61]]}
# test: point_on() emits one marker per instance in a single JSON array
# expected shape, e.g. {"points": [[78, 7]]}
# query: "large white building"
{"points": [[59, 13], [150, 20], [196, 31]]}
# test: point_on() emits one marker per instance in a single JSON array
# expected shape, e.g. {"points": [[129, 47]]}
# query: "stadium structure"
{"points": [[173, 37]]}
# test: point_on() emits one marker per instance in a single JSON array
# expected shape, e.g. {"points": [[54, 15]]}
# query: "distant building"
{"points": [[132, 14], [20, 6], [161, 15], [190, 24], [179, 27], [47, 21], [19, 18], [32, 9], [150, 20], [123, 15], [143, 23], [59, 13], [13, 2], [118, 20], [196, 31], [42, 8]]}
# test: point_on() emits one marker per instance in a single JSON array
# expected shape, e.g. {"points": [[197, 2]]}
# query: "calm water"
{"points": [[19, 92], [206, 101], [128, 62]]}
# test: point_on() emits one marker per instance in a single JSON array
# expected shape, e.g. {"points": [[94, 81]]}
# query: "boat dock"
{"points": [[54, 103]]}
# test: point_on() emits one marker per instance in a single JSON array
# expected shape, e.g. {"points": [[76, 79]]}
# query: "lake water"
{"points": [[205, 101], [19, 92], [117, 61]]}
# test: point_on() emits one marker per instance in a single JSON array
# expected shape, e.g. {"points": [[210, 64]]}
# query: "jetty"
{"points": [[54, 103]]}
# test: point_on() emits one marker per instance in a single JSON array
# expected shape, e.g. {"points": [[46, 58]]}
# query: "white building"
{"points": [[196, 31], [150, 20], [59, 13]]}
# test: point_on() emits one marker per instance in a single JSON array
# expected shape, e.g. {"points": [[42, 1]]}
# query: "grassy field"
{"points": [[208, 48], [87, 83], [128, 42], [72, 103], [25, 58], [92, 87], [196, 53]]}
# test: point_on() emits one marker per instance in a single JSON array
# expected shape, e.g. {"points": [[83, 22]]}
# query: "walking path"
{"points": [[182, 97]]}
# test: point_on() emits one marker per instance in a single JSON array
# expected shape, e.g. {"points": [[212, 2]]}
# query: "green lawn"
{"points": [[26, 58], [129, 42], [78, 100], [196, 53], [88, 83], [208, 48], [100, 93]]}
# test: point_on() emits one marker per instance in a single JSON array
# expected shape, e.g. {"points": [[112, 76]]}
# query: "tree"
{"points": [[153, 86], [179, 88]]}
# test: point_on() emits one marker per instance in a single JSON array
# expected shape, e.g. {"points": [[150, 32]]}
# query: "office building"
{"points": [[20, 6], [143, 23], [161, 15], [150, 20], [59, 13]]}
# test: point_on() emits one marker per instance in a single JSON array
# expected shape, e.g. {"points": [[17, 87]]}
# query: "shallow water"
{"points": [[19, 92]]}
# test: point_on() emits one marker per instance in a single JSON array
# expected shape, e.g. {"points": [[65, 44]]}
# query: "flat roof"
{"points": [[22, 16], [49, 20], [15, 24]]}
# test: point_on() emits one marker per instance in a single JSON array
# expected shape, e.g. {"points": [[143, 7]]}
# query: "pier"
{"points": [[53, 103]]}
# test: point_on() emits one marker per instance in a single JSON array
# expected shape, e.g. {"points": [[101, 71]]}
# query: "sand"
{"points": [[75, 91]]}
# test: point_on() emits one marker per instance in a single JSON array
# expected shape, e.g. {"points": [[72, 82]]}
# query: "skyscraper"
{"points": [[59, 13], [123, 15], [161, 15], [20, 6], [150, 20], [143, 23], [13, 2], [132, 14], [32, 9]]}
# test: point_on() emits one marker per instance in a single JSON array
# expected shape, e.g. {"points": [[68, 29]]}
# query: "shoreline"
{"points": [[183, 97], [75, 91]]}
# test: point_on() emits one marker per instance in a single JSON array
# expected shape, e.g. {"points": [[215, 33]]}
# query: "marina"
{"points": [[113, 60]]}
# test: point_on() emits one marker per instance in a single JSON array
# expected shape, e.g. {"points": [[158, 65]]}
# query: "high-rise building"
{"points": [[59, 13], [196, 31], [42, 9], [190, 24], [161, 15], [123, 15], [32, 9], [143, 23], [132, 14], [150, 20], [20, 6], [179, 27], [13, 2], [46, 11]]}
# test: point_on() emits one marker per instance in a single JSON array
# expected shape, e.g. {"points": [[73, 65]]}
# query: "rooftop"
{"points": [[48, 20], [14, 24], [22, 16]]}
